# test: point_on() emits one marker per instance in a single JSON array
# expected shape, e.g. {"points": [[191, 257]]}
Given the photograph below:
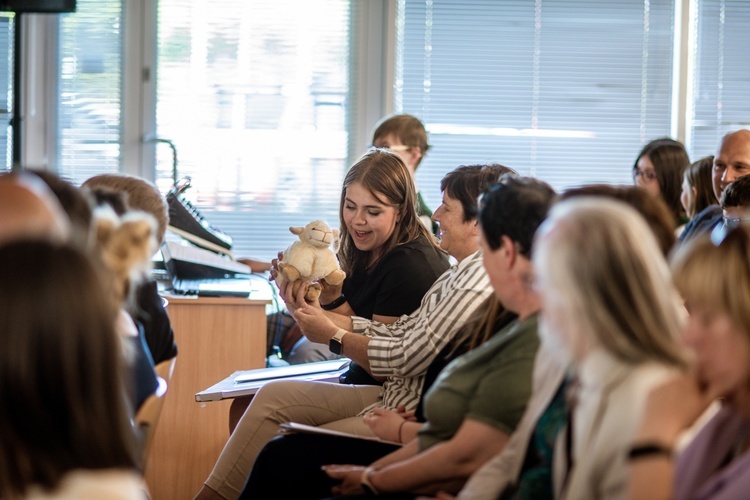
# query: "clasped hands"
{"points": [[384, 423], [387, 424]]}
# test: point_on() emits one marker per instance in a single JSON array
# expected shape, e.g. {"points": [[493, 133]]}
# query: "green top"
{"points": [[424, 210], [491, 384]]}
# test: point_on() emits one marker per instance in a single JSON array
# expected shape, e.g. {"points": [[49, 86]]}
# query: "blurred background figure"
{"points": [[697, 188], [66, 428], [609, 307], [147, 307], [29, 209], [714, 280], [653, 209], [735, 208], [659, 169]]}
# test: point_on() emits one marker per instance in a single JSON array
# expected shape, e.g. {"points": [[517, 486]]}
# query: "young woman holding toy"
{"points": [[388, 255]]}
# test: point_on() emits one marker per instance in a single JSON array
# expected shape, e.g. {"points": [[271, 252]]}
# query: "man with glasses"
{"points": [[406, 136], [731, 162]]}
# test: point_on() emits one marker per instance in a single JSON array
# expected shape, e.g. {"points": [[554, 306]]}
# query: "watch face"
{"points": [[334, 346]]}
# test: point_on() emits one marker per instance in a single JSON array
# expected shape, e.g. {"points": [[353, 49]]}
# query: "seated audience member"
{"points": [[474, 405], [147, 308], [28, 209], [66, 430], [609, 308], [653, 210], [735, 207], [401, 352], [76, 204], [389, 258], [697, 188], [659, 169], [731, 162], [714, 280], [125, 246], [404, 135], [26, 213]]}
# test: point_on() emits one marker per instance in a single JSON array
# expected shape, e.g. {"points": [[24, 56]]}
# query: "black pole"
{"points": [[15, 120]]}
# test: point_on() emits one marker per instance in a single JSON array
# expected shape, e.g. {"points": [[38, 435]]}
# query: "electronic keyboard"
{"points": [[196, 271], [187, 221]]}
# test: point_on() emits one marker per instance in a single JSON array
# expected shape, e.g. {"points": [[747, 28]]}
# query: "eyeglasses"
{"points": [[649, 175], [394, 148], [730, 223]]}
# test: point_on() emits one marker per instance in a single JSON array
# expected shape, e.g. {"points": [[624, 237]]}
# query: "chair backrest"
{"points": [[148, 416]]}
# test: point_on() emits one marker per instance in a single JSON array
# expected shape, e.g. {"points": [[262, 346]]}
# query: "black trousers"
{"points": [[290, 466]]}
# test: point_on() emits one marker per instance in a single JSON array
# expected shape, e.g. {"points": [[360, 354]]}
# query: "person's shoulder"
{"points": [[418, 250], [709, 212], [421, 242], [702, 222], [518, 336], [102, 483]]}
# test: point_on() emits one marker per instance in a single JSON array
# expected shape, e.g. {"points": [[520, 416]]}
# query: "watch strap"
{"points": [[334, 304], [336, 344]]}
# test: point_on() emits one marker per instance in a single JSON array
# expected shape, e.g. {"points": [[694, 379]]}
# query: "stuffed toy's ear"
{"points": [[296, 230], [126, 247], [136, 237], [105, 222]]}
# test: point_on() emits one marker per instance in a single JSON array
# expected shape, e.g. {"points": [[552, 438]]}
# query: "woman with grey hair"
{"points": [[609, 306]]}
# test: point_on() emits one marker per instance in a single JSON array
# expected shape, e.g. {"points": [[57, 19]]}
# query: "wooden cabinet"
{"points": [[215, 337]]}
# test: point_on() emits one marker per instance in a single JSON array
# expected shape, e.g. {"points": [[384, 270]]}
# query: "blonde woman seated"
{"points": [[65, 423], [715, 283]]}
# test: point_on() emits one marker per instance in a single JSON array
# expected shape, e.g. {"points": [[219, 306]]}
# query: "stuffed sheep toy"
{"points": [[312, 258], [126, 244]]}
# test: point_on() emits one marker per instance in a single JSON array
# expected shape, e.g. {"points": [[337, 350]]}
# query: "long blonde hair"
{"points": [[717, 276], [602, 262]]}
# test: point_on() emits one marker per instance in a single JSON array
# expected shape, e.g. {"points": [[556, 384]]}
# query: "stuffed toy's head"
{"points": [[317, 233], [125, 245], [312, 258]]}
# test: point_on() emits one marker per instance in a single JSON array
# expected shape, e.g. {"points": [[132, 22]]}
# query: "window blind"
{"points": [[254, 96], [89, 90], [6, 89], [566, 91], [722, 74]]}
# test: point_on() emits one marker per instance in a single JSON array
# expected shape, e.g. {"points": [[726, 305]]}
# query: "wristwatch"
{"points": [[336, 344]]}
